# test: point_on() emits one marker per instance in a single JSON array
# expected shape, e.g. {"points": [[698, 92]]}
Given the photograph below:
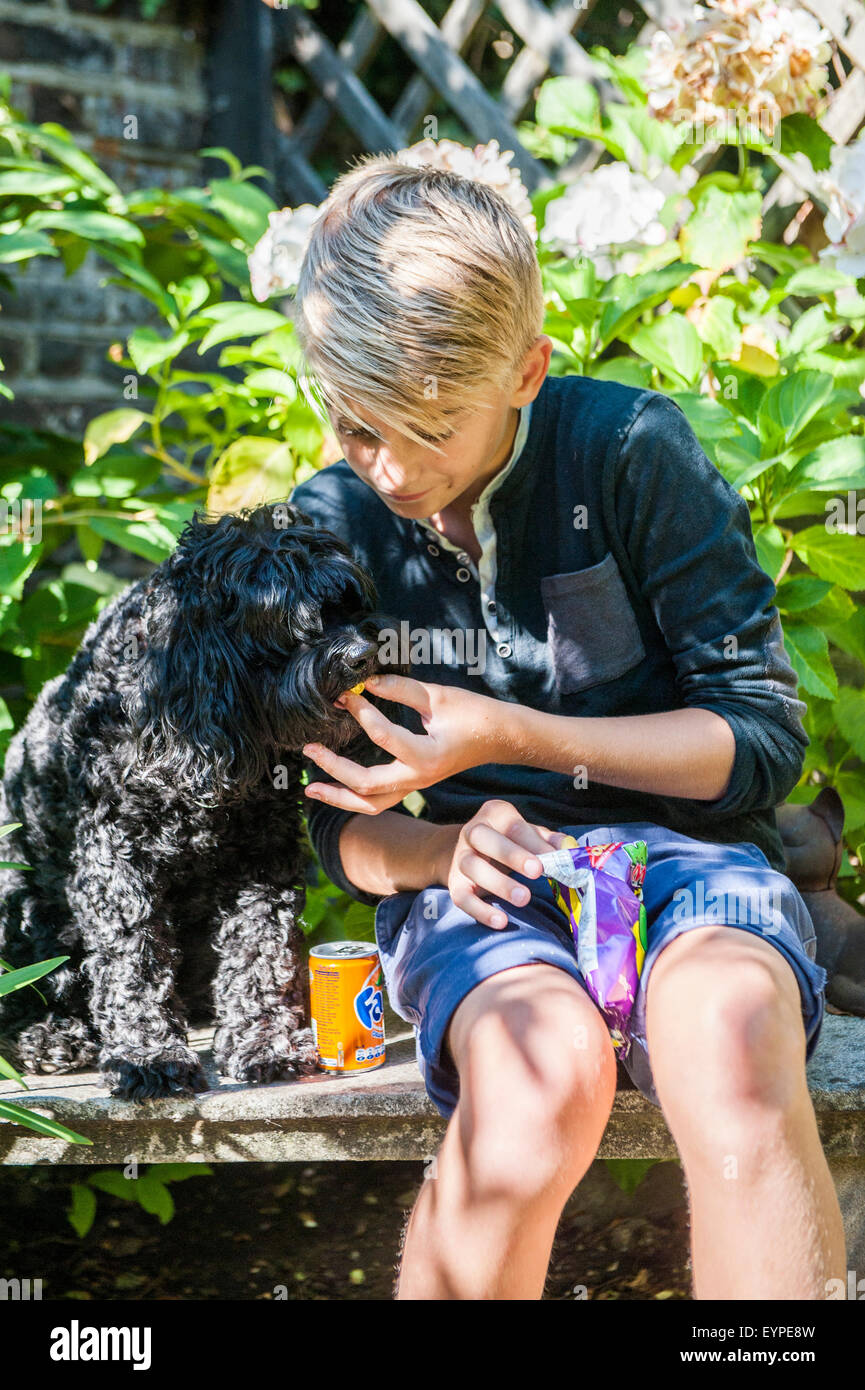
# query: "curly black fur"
{"points": [[157, 783]]}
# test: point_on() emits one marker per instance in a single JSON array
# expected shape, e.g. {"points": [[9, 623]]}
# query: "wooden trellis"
{"points": [[436, 71]]}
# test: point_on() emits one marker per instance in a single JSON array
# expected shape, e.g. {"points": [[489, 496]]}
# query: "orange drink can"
{"points": [[346, 1005]]}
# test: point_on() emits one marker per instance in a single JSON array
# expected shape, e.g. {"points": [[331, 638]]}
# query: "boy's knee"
{"points": [[727, 1034], [537, 1082]]}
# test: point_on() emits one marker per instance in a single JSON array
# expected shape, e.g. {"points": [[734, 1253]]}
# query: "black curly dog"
{"points": [[158, 786]]}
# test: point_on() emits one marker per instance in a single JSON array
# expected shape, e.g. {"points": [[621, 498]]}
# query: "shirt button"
{"points": [[503, 649], [433, 549], [491, 606], [463, 575]]}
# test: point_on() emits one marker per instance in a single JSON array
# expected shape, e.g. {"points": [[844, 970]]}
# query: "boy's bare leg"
{"points": [[537, 1083], [727, 1047]]}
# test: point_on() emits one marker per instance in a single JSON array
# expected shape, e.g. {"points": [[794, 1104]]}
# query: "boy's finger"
{"points": [[488, 914], [506, 850], [403, 690], [490, 878], [347, 799], [368, 781], [391, 737]]}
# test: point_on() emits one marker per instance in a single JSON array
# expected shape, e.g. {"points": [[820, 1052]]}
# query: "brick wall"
{"points": [[92, 70]]}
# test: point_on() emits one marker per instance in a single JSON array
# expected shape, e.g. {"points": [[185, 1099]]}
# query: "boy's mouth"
{"points": [[405, 496]]}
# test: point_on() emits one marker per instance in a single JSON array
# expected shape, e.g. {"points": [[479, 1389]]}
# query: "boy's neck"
{"points": [[455, 521]]}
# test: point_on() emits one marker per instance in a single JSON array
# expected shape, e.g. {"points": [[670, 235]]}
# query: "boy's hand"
{"points": [[463, 729], [497, 835]]}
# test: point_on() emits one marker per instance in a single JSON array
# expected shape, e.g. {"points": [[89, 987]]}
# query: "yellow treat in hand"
{"points": [[356, 689]]}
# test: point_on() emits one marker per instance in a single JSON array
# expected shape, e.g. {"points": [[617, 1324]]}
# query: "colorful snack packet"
{"points": [[599, 889]]}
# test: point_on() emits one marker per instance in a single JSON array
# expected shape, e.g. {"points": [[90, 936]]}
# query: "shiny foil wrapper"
{"points": [[599, 888]]}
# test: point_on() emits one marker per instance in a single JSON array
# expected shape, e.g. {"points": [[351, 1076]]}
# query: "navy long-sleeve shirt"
{"points": [[626, 583]]}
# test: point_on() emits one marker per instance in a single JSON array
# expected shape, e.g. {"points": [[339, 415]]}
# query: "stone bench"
{"points": [[385, 1114]]}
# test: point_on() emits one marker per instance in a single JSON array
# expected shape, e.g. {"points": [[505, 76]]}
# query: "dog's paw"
{"points": [[156, 1078], [305, 1052], [259, 1062]]}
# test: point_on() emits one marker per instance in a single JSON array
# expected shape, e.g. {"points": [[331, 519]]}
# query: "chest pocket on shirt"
{"points": [[591, 628]]}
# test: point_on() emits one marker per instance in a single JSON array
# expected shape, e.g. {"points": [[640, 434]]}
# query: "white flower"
{"points": [[608, 207], [843, 189], [483, 163], [275, 260], [756, 58]]}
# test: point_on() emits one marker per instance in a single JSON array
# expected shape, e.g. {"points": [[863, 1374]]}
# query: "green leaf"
{"points": [[32, 183], [800, 592], [359, 922], [141, 279], [82, 1210], [117, 473], [92, 226], [808, 651], [155, 1197], [229, 261], [17, 979], [839, 463], [151, 539], [17, 560], [671, 343], [849, 788], [179, 1172], [238, 321], [812, 329], [781, 258], [802, 134], [251, 470], [227, 157], [771, 548], [59, 144], [626, 297], [850, 716], [832, 555], [717, 234], [148, 349], [717, 326], [569, 105], [7, 1070], [849, 635], [191, 293], [114, 427], [244, 206], [813, 280], [789, 404], [20, 246], [628, 1173], [115, 1184], [28, 1119], [269, 381]]}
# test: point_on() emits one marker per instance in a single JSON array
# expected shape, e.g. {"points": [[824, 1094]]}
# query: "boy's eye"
{"points": [[434, 438]]}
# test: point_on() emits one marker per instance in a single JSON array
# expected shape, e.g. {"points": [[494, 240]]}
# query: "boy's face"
{"points": [[415, 481]]}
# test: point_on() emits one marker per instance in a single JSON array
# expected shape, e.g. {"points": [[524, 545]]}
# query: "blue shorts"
{"points": [[433, 954]]}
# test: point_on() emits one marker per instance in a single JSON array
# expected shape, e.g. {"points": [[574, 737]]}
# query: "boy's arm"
{"points": [[686, 534], [388, 853]]}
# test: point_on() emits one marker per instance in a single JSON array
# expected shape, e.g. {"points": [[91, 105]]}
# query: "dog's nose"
{"points": [[359, 654]]}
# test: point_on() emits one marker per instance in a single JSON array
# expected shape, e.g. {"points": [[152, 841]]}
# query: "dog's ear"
{"points": [[189, 708]]}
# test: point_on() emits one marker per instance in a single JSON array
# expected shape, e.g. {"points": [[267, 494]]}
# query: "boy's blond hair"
{"points": [[419, 291]]}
